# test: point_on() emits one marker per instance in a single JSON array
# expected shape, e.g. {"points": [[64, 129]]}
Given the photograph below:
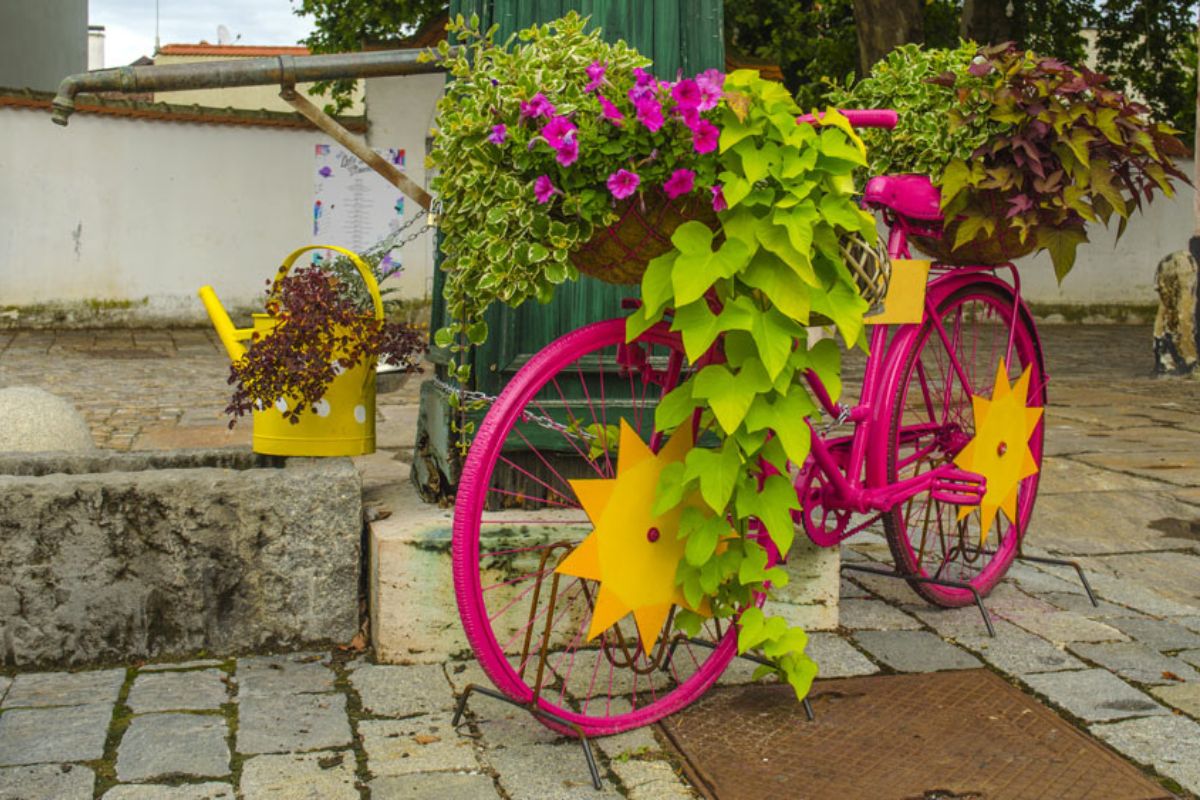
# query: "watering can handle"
{"points": [[363, 270]]}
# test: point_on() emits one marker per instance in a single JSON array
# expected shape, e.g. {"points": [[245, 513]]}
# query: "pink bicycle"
{"points": [[517, 516]]}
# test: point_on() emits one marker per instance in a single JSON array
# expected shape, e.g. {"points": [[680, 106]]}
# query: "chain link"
{"points": [[396, 239], [548, 423]]}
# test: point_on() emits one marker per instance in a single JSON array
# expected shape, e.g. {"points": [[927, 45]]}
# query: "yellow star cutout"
{"points": [[1000, 450], [631, 552]]}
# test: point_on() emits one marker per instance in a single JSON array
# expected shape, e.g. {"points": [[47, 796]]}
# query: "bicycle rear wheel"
{"points": [[517, 515], [932, 420]]}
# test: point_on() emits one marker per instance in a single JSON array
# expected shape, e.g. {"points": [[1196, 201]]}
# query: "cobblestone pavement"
{"points": [[1120, 493]]}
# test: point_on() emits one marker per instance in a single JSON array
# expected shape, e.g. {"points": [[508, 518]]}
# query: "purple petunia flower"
{"points": [[718, 198], [689, 115], [682, 181], [611, 112], [711, 82], [499, 134], [649, 113], [557, 130], [595, 72], [686, 93], [537, 106], [568, 151], [623, 183], [705, 136], [643, 78], [544, 189]]}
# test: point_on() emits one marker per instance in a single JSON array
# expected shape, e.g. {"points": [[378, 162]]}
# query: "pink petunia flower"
{"points": [[568, 151], [682, 181], [611, 112], [556, 131], [686, 93], [689, 115], [544, 189], [649, 113], [537, 106], [644, 78], [595, 72], [711, 82], [499, 134], [623, 183], [718, 198], [705, 136]]}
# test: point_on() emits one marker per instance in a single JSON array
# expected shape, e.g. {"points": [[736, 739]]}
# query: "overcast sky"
{"points": [[129, 24]]}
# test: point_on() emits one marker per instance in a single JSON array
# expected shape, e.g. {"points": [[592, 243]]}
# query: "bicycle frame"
{"points": [[857, 485]]}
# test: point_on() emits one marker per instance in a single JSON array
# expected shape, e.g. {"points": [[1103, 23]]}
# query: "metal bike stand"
{"points": [[888, 573], [537, 712], [808, 709], [1062, 562]]}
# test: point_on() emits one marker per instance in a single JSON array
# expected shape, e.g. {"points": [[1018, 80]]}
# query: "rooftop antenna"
{"points": [[223, 35]]}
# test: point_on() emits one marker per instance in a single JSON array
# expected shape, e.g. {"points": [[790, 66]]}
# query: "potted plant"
{"points": [[558, 153], [1025, 149], [308, 375]]}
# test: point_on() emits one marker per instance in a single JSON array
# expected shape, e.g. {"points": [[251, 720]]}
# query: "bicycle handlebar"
{"points": [[862, 117]]}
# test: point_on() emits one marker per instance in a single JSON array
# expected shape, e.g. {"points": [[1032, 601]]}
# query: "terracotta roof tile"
{"points": [[164, 112]]}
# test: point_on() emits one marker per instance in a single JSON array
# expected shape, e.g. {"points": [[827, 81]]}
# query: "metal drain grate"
{"points": [[964, 735]]}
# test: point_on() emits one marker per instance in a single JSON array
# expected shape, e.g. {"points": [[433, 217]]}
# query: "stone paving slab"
{"points": [[177, 691], [292, 723], [401, 691], [873, 615], [1079, 604], [1093, 695], [434, 786], [1164, 635], [309, 776], [1062, 627], [418, 744], [182, 665], [47, 782], [1017, 652], [160, 745], [836, 657], [1190, 656], [53, 735], [191, 791], [1183, 696], [274, 675], [33, 689], [1169, 744], [1136, 662], [914, 651], [650, 780], [543, 771]]}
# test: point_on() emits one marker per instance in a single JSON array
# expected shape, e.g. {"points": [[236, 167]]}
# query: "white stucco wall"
{"points": [[401, 114]]}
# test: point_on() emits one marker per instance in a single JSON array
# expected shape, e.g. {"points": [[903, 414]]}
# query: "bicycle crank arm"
{"points": [[946, 484]]}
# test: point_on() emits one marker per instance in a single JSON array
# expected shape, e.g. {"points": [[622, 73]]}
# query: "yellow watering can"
{"points": [[342, 423]]}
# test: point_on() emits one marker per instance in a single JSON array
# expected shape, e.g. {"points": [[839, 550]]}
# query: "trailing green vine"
{"points": [[789, 192]]}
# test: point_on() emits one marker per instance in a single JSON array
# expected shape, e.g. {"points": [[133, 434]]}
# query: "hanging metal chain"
{"points": [[396, 240], [469, 396]]}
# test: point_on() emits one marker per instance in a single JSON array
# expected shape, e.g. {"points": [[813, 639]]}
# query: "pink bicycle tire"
{"points": [[907, 348], [485, 453]]}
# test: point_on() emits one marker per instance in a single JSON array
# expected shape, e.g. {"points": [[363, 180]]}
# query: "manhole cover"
{"points": [[965, 735]]}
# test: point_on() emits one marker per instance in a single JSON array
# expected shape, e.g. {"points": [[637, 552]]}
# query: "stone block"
{"points": [[543, 771], [291, 723], [187, 791], [388, 691], [914, 651], [434, 786], [836, 657], [1093, 694], [814, 584], [300, 776], [145, 555], [161, 745], [1017, 652], [651, 780], [1170, 744], [1165, 635], [178, 691], [53, 735], [1184, 696], [1176, 338], [48, 782], [874, 615], [298, 673], [417, 744], [34, 689], [33, 420], [1136, 662]]}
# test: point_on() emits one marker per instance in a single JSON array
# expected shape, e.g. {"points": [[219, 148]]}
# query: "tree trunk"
{"points": [[989, 21], [883, 25]]}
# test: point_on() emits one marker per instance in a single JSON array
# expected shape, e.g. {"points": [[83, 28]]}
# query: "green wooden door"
{"points": [[676, 34]]}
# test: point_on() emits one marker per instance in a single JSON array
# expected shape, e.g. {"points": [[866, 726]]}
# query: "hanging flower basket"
{"points": [[621, 252], [1001, 247]]}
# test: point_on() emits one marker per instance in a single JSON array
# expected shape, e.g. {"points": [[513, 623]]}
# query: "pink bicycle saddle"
{"points": [[912, 196]]}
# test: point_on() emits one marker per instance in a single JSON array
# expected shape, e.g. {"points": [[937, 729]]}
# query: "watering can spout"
{"points": [[230, 336]]}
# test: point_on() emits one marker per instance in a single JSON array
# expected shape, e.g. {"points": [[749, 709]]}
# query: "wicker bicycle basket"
{"points": [[621, 252], [870, 267]]}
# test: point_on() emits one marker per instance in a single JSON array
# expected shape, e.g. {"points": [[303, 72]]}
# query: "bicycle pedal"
{"points": [[958, 487]]}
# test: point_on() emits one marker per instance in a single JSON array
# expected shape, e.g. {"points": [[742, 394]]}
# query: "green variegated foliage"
{"points": [[1025, 149], [775, 264]]}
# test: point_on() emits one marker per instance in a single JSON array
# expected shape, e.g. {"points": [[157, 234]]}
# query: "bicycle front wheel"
{"points": [[517, 515], [932, 419]]}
